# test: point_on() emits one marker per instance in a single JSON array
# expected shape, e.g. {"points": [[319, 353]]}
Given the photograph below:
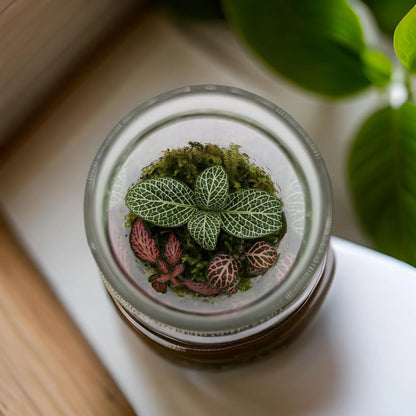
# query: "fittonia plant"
{"points": [[167, 202], [205, 210]]}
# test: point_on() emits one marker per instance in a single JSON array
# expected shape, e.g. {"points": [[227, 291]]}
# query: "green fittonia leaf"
{"points": [[166, 202], [251, 214], [382, 178], [204, 227], [211, 189], [405, 40]]}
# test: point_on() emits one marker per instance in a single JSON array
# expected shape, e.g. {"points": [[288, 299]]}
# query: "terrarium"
{"points": [[208, 212]]}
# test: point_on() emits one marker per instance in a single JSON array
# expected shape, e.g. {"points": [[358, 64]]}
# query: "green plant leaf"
{"points": [[211, 188], [382, 177], [318, 44], [204, 227], [388, 13], [251, 214], [166, 202], [377, 67], [405, 40]]}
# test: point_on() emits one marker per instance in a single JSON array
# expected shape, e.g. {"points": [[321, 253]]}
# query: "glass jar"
{"points": [[224, 329]]}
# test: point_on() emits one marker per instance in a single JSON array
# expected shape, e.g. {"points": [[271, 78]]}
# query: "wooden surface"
{"points": [[46, 366]]}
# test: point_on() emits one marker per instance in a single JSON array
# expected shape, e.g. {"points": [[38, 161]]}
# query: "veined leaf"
{"points": [[405, 40], [166, 202], [318, 44], [388, 13], [222, 272], [143, 246], [233, 288], [173, 252], [251, 214], [261, 255], [382, 177], [162, 266], [159, 282], [204, 227], [177, 270], [211, 188], [200, 288]]}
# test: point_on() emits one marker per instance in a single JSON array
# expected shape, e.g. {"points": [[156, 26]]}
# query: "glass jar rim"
{"points": [[148, 312]]}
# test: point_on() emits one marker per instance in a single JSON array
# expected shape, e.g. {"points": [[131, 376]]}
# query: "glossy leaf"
{"points": [[211, 188], [382, 176], [173, 252], [261, 255], [317, 44], [204, 227], [143, 246], [251, 214], [388, 13], [166, 202], [405, 40], [222, 272]]}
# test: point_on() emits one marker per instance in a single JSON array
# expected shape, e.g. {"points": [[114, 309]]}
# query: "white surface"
{"points": [[357, 358]]}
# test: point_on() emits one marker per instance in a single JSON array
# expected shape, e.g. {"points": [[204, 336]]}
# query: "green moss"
{"points": [[130, 217], [244, 285], [185, 164]]}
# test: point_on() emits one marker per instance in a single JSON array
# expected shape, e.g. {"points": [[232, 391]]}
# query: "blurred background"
{"points": [[70, 70]]}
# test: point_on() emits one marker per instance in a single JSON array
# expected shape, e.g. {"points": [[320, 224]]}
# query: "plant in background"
{"points": [[319, 45]]}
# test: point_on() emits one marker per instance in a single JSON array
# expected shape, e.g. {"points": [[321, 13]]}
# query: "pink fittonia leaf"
{"points": [[261, 255], [159, 287], [177, 270], [163, 278], [173, 250], [143, 246], [162, 266], [175, 281], [233, 288], [201, 288], [222, 271]]}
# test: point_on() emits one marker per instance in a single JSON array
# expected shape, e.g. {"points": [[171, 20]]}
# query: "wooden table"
{"points": [[46, 366]]}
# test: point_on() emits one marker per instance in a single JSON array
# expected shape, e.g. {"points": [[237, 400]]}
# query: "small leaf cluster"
{"points": [[222, 272], [184, 164], [167, 202], [167, 263]]}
